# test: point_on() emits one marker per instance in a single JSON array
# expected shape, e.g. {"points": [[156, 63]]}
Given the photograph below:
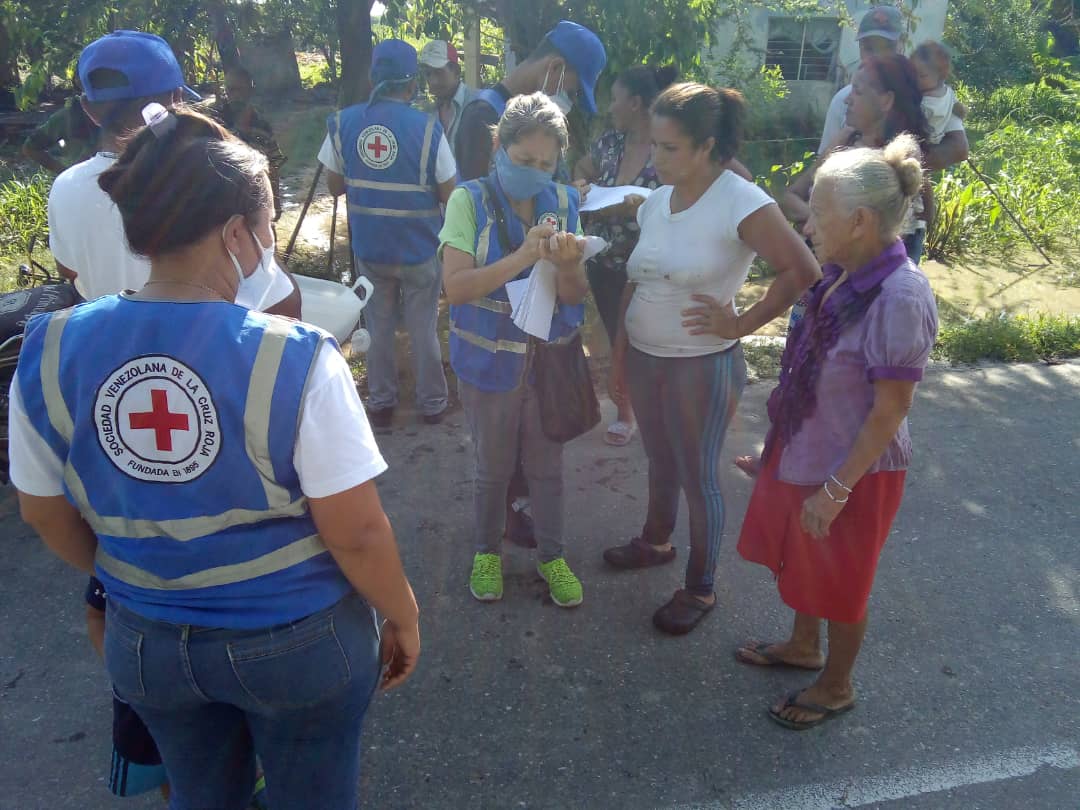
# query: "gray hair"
{"points": [[525, 115], [882, 180]]}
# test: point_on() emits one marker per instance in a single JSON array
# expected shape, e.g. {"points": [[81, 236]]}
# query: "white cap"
{"points": [[438, 54]]}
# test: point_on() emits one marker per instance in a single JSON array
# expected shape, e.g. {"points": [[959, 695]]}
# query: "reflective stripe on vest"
{"points": [[256, 429], [285, 557], [393, 212]]}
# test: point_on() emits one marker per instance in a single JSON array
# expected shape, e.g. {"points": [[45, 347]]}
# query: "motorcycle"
{"points": [[40, 291]]}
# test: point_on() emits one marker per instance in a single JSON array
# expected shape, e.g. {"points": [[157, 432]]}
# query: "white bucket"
{"points": [[333, 306]]}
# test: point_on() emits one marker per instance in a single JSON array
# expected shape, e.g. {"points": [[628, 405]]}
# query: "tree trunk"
{"points": [[331, 60], [9, 73], [354, 39], [224, 37]]}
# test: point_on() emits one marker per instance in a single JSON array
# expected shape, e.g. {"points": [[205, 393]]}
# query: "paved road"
{"points": [[969, 680]]}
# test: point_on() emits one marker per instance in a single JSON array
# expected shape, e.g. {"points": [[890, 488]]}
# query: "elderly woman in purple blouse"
{"points": [[836, 454]]}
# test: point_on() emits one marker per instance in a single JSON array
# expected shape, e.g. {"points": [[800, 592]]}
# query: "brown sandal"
{"points": [[682, 614]]}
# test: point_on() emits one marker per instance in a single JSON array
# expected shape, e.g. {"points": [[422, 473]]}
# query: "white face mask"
{"points": [[252, 289], [560, 96]]}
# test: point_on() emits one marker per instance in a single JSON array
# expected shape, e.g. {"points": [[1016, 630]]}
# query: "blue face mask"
{"points": [[519, 182]]}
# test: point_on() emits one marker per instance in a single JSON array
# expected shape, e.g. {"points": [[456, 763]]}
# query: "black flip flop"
{"points": [[791, 702], [772, 659]]}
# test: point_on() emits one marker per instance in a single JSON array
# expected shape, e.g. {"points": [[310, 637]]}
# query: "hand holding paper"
{"points": [[563, 249], [532, 299]]}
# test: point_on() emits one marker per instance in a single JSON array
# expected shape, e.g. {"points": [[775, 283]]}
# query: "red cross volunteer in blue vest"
{"points": [[496, 229], [214, 468], [395, 167], [565, 66]]}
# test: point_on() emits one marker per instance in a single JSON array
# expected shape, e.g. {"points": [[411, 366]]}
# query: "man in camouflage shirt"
{"points": [[236, 112]]}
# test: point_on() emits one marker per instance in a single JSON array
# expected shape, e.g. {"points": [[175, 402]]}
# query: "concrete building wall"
{"points": [[807, 100]]}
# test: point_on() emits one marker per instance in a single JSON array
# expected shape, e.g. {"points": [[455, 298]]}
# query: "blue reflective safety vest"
{"points": [[390, 151], [487, 350], [177, 425]]}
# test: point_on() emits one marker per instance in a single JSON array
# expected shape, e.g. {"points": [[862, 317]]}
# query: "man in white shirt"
{"points": [[121, 73], [881, 31], [441, 68]]}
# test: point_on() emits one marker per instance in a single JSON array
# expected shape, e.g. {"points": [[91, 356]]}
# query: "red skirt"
{"points": [[829, 578]]}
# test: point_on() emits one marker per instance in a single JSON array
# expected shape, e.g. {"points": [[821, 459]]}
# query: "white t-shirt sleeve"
{"points": [[329, 157], [746, 199], [834, 118], [59, 248], [35, 468], [335, 448]]}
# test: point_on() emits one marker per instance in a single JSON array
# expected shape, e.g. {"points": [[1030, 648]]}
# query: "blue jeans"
{"points": [[914, 244], [294, 694], [414, 290]]}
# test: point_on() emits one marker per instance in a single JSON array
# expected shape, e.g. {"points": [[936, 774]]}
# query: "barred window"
{"points": [[803, 49]]}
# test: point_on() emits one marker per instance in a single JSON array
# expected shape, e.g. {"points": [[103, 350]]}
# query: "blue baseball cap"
{"points": [[145, 59], [584, 52], [393, 60]]}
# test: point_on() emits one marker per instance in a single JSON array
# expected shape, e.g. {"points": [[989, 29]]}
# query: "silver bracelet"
{"points": [[840, 484], [832, 497]]}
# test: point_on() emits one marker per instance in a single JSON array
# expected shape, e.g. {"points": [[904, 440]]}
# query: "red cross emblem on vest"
{"points": [[377, 147], [160, 420]]}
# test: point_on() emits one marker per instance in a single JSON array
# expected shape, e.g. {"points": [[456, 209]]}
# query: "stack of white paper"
{"points": [[532, 299], [601, 197]]}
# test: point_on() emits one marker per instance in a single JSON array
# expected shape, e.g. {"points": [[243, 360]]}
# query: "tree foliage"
{"points": [[993, 40], [633, 31]]}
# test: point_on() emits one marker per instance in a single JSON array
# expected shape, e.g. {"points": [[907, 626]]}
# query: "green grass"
{"points": [[763, 359], [1010, 338]]}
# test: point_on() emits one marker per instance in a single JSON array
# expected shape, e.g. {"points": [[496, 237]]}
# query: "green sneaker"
{"points": [[564, 586], [486, 580]]}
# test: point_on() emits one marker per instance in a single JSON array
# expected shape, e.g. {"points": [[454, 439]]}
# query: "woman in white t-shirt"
{"points": [[677, 351]]}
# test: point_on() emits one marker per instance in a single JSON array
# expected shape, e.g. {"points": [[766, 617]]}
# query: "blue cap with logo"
{"points": [[393, 60], [584, 52], [145, 60]]}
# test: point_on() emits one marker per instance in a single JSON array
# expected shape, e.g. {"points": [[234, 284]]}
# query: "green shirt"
{"points": [[68, 135], [459, 223]]}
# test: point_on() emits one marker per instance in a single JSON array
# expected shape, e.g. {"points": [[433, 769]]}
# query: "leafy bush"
{"points": [[1010, 338], [993, 40], [1027, 104], [1035, 172], [24, 206]]}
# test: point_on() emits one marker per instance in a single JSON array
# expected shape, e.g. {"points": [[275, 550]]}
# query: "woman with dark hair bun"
{"points": [[677, 349], [621, 156], [175, 445]]}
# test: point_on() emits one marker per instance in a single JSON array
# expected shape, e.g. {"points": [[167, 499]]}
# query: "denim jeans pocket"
{"points": [[292, 667], [123, 659]]}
